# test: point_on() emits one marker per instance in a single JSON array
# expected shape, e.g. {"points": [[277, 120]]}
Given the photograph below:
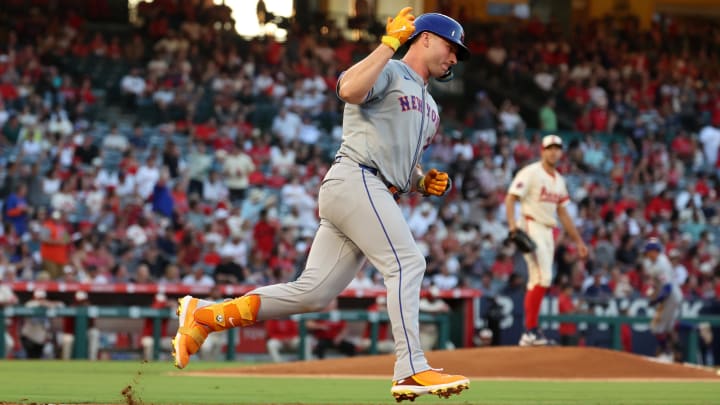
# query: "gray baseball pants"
{"points": [[358, 219]]}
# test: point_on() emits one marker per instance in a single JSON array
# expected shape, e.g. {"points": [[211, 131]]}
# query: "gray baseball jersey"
{"points": [[661, 271], [390, 130], [383, 139]]}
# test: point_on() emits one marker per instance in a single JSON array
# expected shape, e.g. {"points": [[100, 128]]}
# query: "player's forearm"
{"points": [[569, 226], [510, 211], [357, 81]]}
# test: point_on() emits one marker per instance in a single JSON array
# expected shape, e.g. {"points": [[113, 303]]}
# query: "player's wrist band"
{"points": [[420, 186], [392, 42]]}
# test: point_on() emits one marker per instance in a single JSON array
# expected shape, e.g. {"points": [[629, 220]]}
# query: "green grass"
{"points": [[102, 382]]}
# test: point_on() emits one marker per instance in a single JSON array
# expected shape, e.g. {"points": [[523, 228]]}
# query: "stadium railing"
{"points": [[83, 314], [374, 318], [616, 322]]}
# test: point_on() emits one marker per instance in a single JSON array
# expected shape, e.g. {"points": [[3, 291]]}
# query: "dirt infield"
{"points": [[544, 363]]}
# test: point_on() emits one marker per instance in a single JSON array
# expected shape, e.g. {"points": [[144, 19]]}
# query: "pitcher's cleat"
{"points": [[429, 382], [190, 334], [533, 338]]}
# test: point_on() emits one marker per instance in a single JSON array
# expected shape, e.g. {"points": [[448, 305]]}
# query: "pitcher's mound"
{"points": [[501, 363]]}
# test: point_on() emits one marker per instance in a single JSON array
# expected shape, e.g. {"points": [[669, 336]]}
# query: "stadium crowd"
{"points": [[209, 169]]}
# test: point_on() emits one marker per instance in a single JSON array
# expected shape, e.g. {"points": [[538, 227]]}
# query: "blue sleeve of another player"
{"points": [[378, 89], [12, 202], [664, 293]]}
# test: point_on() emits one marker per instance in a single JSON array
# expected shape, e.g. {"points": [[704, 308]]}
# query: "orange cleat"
{"points": [[197, 318], [190, 334], [429, 382]]}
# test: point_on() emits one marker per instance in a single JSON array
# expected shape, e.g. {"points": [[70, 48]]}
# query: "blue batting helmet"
{"points": [[443, 26], [653, 244]]}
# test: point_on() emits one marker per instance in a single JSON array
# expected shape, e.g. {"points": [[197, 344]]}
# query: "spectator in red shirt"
{"points": [[68, 335], [264, 234], [74, 20], [330, 335], [683, 147], [567, 330], [148, 341], [502, 268], [180, 199], [282, 334], [659, 207], [55, 245], [8, 90], [701, 186], [584, 122], [205, 132], [260, 152], [522, 152], [189, 250], [211, 257], [577, 93]]}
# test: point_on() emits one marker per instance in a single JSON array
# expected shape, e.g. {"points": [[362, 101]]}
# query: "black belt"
{"points": [[372, 170], [375, 172]]}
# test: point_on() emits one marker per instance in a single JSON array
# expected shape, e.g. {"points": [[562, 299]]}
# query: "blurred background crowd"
{"points": [[173, 150]]}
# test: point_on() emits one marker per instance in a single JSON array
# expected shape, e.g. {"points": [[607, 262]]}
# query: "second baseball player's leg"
{"points": [[663, 325], [539, 278]]}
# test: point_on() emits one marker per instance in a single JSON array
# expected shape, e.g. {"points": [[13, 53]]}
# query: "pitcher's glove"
{"points": [[522, 241]]}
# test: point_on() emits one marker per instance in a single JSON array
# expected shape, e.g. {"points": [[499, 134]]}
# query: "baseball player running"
{"points": [[389, 119], [542, 193], [664, 295]]}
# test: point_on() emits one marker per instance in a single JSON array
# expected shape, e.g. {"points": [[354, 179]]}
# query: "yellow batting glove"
{"points": [[435, 183], [399, 29]]}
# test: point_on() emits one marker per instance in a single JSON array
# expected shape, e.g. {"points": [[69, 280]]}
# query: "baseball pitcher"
{"points": [[543, 196]]}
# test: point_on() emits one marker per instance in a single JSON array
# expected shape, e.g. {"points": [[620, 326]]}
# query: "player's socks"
{"points": [[528, 310], [662, 342], [533, 300], [241, 311], [535, 307]]}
